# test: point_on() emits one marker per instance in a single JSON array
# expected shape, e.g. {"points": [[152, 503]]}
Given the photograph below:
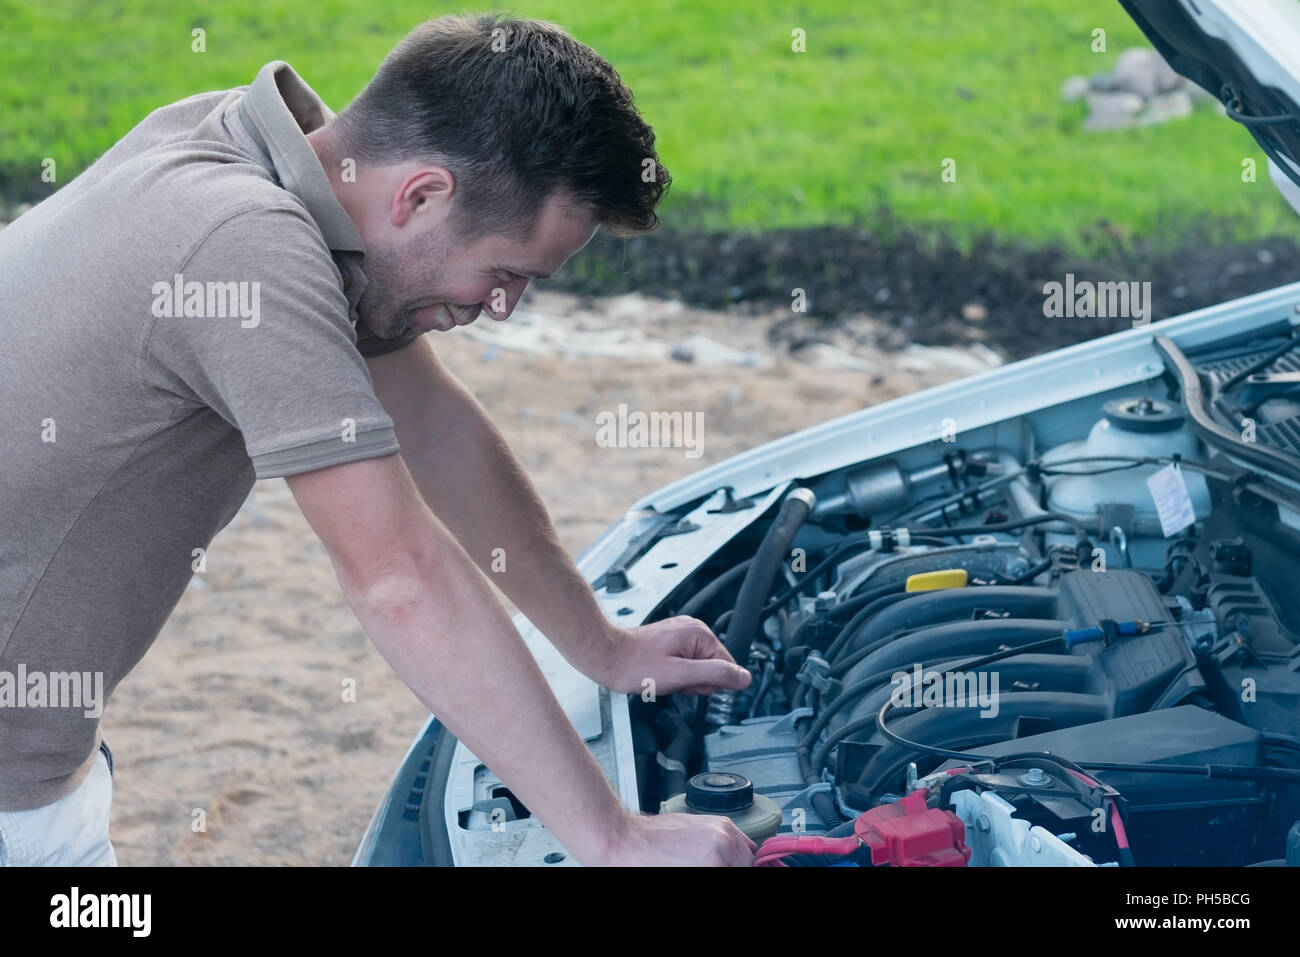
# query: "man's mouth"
{"points": [[441, 317]]}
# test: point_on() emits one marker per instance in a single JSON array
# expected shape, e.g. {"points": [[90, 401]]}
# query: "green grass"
{"points": [[756, 136]]}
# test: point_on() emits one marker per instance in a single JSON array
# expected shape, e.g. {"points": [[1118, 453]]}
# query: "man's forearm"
{"points": [[445, 634], [473, 482]]}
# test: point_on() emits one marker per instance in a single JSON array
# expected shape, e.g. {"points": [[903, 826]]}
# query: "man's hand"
{"points": [[681, 840], [677, 654]]}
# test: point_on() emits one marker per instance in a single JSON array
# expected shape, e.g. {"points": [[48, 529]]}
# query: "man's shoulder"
{"points": [[262, 224]]}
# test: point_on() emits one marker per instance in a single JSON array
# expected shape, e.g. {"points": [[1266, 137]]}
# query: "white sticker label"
{"points": [[1173, 503]]}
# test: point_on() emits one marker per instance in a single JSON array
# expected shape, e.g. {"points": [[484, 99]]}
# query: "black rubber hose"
{"points": [[762, 573], [677, 752], [822, 802], [700, 600]]}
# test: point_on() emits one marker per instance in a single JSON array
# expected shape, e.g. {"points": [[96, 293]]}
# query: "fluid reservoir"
{"points": [[1131, 427], [729, 795]]}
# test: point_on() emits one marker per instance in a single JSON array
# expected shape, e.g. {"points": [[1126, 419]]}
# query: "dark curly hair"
{"points": [[516, 109]]}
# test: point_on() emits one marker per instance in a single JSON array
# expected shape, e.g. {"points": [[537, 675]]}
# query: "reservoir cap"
{"points": [[719, 792], [1144, 414]]}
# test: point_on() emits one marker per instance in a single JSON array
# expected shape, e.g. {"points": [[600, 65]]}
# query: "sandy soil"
{"points": [[237, 711]]}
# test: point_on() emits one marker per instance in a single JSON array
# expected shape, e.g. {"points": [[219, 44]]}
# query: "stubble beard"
{"points": [[389, 303]]}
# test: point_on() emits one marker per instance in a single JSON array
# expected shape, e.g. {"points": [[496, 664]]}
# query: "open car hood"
{"points": [[1246, 53]]}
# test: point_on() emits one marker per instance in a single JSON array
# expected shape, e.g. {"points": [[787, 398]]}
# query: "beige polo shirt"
{"points": [[178, 320]]}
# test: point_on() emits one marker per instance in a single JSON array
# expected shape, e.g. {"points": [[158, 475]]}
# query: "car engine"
{"points": [[1003, 656]]}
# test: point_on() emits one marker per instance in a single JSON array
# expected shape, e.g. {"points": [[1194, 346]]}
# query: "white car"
{"points": [[1048, 613]]}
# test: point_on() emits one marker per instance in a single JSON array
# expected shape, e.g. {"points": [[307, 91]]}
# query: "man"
{"points": [[238, 289]]}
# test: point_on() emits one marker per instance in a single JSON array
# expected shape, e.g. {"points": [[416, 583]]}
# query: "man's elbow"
{"points": [[395, 597]]}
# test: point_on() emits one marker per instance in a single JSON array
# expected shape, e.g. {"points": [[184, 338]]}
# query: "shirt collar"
{"points": [[277, 111]]}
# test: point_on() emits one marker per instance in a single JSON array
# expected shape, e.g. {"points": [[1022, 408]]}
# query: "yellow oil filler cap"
{"points": [[932, 581]]}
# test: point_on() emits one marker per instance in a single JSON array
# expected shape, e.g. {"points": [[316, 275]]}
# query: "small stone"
{"points": [[1074, 88], [974, 312], [1111, 111], [1102, 83], [1138, 71], [682, 352], [1265, 256], [1165, 107], [882, 294]]}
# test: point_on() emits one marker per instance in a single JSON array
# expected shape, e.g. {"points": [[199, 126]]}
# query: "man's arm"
{"points": [[473, 482], [434, 618]]}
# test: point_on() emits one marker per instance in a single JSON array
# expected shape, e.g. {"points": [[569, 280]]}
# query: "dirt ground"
{"points": [[235, 718]]}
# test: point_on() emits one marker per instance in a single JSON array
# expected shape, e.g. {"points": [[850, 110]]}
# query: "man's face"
{"points": [[421, 275]]}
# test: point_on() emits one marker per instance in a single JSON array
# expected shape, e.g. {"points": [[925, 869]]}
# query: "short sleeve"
{"points": [[254, 325]]}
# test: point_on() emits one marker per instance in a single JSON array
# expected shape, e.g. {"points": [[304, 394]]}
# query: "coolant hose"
{"points": [[762, 573], [700, 600], [672, 759]]}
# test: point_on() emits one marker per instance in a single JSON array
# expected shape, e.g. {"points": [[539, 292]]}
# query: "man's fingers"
{"points": [[704, 642], [711, 672]]}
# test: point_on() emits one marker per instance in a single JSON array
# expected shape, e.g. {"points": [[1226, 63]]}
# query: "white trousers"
{"points": [[73, 831]]}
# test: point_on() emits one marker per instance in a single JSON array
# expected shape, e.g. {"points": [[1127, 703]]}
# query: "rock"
{"points": [[1165, 107], [1102, 83], [1138, 71], [974, 312], [1265, 256], [706, 351], [823, 355], [1111, 111], [628, 306], [1075, 88]]}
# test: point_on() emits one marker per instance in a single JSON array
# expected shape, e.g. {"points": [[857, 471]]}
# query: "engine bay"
{"points": [[993, 653]]}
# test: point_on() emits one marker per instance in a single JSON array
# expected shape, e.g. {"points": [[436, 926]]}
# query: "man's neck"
{"points": [[336, 166]]}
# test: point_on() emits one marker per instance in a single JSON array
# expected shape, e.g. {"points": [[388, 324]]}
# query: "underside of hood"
{"points": [[1246, 53]]}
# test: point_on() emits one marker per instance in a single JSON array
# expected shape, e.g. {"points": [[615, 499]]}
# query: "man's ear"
{"points": [[426, 190]]}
